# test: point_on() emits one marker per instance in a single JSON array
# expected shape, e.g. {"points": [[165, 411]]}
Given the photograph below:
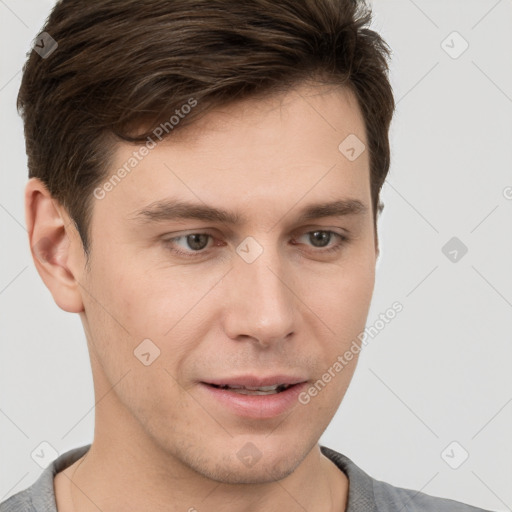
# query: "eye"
{"points": [[191, 243], [321, 238]]}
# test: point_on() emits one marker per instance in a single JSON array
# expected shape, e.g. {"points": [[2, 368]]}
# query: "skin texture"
{"points": [[160, 441]]}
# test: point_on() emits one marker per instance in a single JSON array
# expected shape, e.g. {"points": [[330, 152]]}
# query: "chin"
{"points": [[245, 463], [263, 472]]}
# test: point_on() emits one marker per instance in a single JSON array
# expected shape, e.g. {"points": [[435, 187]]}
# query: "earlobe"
{"points": [[53, 242]]}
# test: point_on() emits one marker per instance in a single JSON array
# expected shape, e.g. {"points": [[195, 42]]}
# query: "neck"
{"points": [[127, 478]]}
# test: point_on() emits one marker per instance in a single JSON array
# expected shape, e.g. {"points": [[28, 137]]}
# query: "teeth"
{"points": [[262, 390], [255, 392]]}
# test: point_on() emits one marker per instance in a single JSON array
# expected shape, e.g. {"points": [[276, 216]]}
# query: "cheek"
{"points": [[153, 298], [355, 294], [343, 298], [137, 300], [124, 323], [118, 312], [342, 302], [133, 303]]}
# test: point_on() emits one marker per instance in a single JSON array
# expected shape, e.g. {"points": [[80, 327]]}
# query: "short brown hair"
{"points": [[120, 64]]}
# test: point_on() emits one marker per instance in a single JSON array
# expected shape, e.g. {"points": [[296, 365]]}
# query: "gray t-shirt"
{"points": [[365, 493]]}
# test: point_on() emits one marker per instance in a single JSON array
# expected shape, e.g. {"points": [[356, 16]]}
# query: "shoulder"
{"points": [[20, 502], [370, 495], [390, 499], [40, 496]]}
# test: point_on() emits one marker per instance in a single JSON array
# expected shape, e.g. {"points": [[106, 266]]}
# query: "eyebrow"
{"points": [[170, 210]]}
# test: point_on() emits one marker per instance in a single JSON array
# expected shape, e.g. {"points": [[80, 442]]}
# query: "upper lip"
{"points": [[256, 381]]}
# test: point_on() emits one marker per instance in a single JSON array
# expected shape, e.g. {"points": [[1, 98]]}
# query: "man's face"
{"points": [[272, 296]]}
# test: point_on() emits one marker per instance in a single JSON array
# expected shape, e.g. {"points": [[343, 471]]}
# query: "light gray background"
{"points": [[439, 372]]}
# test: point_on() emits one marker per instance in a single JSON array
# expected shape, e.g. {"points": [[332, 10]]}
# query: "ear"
{"points": [[380, 208], [56, 246]]}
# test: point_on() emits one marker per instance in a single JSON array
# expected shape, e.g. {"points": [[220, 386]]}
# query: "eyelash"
{"points": [[343, 239]]}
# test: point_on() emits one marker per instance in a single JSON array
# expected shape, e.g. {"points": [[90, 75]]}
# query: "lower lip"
{"points": [[256, 406]]}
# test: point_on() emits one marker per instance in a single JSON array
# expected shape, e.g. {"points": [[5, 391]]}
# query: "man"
{"points": [[204, 189]]}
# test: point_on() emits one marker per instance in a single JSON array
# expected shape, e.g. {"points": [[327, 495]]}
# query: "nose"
{"points": [[261, 304]]}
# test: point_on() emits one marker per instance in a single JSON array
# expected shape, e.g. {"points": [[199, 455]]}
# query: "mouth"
{"points": [[253, 390], [252, 396]]}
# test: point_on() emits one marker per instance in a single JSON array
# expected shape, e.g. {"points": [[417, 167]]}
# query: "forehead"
{"points": [[256, 154]]}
